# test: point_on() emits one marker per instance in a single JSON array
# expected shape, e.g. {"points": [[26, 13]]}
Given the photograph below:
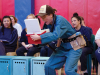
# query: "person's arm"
{"points": [[97, 42], [19, 31], [61, 28], [87, 33], [23, 39], [97, 38], [23, 44], [14, 38], [0, 40]]}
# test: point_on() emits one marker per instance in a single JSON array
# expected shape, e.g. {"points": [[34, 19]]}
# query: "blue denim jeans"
{"points": [[69, 58]]}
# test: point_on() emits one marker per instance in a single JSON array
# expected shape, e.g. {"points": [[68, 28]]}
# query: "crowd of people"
{"points": [[55, 44]]}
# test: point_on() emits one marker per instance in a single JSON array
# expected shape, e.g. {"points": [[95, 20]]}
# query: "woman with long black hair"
{"points": [[8, 36]]}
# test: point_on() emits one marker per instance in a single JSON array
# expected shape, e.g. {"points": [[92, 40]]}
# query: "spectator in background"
{"points": [[97, 41], [31, 49], [0, 23], [82, 20], [76, 22], [8, 36], [45, 50], [16, 25], [83, 24]]}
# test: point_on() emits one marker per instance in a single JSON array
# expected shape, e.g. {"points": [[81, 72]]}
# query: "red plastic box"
{"points": [[30, 41]]}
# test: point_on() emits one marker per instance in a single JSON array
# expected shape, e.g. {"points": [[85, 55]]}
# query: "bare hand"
{"points": [[0, 40], [26, 46], [35, 37], [30, 45]]}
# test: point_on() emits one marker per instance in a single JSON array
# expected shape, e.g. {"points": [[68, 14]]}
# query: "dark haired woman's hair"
{"points": [[76, 16], [0, 20], [81, 18], [50, 10], [10, 24]]}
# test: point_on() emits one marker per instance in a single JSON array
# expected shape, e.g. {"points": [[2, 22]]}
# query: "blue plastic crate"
{"points": [[21, 65], [37, 65], [6, 65]]}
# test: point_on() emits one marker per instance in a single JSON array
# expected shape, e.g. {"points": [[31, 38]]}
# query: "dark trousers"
{"points": [[10, 49], [83, 58], [30, 52], [45, 51], [2, 49], [97, 53]]}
